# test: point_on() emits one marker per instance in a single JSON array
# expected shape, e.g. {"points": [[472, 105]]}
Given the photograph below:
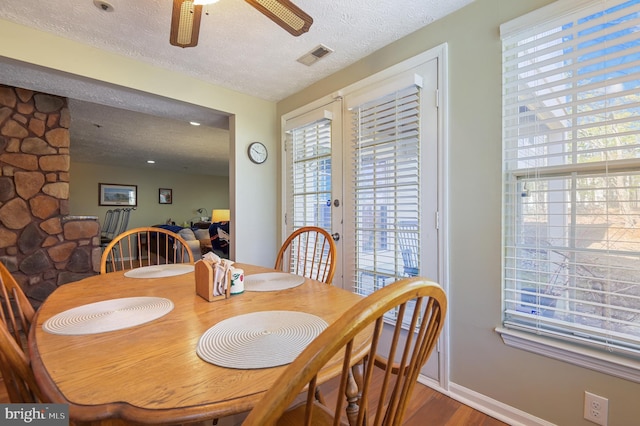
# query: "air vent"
{"points": [[315, 55]]}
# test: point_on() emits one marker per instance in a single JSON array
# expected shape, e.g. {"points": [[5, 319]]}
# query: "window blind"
{"points": [[308, 149], [571, 161], [385, 146]]}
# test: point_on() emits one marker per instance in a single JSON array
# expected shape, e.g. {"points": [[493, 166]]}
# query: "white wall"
{"points": [[253, 188], [479, 361]]}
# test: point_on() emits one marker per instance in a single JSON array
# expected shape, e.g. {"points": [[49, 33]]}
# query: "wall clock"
{"points": [[257, 152]]}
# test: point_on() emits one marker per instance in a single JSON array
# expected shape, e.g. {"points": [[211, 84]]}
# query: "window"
{"points": [[385, 145], [309, 156], [571, 161]]}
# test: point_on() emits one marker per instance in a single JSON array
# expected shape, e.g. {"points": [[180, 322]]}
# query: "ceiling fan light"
{"points": [[284, 13], [185, 23]]}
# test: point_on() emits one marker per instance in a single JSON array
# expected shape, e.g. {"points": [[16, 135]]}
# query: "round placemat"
{"points": [[271, 281], [160, 271], [259, 339], [108, 315]]}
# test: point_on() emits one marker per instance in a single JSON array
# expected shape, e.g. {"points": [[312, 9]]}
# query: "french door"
{"points": [[366, 168], [312, 169]]}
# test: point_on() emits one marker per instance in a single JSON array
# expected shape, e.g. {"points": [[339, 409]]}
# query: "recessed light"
{"points": [[151, 162], [194, 123]]}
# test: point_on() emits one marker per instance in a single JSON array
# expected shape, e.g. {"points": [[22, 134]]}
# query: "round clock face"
{"points": [[257, 152]]}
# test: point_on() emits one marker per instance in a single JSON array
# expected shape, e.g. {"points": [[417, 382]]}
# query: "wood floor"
{"points": [[427, 407]]}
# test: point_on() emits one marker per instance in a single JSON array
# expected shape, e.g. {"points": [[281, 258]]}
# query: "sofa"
{"points": [[198, 240]]}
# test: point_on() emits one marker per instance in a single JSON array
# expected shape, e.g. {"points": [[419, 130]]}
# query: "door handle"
{"points": [[335, 236]]}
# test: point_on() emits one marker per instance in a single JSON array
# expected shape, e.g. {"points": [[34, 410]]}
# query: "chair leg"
{"points": [[353, 392]]}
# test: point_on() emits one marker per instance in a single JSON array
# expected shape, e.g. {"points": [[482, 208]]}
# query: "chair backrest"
{"points": [[144, 246], [124, 220], [111, 223], [16, 316], [106, 224], [409, 242], [16, 312], [423, 301], [16, 371], [309, 251]]}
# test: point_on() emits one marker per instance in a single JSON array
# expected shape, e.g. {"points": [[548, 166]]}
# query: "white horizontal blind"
{"points": [[308, 150], [386, 179], [571, 150]]}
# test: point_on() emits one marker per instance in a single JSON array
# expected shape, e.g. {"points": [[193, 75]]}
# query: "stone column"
{"points": [[41, 249]]}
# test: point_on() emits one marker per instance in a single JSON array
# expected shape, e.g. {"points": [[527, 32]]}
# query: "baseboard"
{"points": [[488, 406]]}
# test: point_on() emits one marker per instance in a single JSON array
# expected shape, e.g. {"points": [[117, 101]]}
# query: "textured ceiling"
{"points": [[238, 48]]}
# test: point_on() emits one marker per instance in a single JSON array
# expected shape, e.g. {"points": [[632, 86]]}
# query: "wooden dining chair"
{"points": [[310, 252], [16, 312], [420, 303], [16, 371], [144, 246], [16, 316]]}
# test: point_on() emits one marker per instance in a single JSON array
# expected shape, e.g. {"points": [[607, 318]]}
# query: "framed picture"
{"points": [[165, 196], [112, 194]]}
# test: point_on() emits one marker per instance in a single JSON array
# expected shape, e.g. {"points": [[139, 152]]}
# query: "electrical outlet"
{"points": [[596, 408]]}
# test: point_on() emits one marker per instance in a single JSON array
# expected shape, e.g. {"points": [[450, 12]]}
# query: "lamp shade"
{"points": [[220, 215]]}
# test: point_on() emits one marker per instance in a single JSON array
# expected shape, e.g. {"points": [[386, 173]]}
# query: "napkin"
{"points": [[220, 269], [211, 257]]}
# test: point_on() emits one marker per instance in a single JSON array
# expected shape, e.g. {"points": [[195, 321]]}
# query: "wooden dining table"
{"points": [[151, 373]]}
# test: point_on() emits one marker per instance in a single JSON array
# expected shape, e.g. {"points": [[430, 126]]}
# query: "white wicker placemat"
{"points": [[160, 271], [271, 281], [108, 315], [259, 339]]}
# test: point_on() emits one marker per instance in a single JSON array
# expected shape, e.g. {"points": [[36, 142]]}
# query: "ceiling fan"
{"points": [[185, 18]]}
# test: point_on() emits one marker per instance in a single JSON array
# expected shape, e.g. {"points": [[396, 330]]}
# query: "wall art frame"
{"points": [[113, 194], [165, 196]]}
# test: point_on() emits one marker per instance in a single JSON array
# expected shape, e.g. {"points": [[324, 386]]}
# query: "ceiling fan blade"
{"points": [[284, 13], [185, 23]]}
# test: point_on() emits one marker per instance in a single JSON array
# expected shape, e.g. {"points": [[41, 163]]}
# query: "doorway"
{"points": [[369, 166]]}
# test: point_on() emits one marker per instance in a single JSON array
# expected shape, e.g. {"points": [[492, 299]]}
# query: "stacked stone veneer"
{"points": [[41, 246]]}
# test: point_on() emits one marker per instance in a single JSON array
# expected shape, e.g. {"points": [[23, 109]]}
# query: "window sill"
{"points": [[611, 364]]}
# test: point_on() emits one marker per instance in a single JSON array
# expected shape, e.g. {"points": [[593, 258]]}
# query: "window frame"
{"points": [[560, 348], [434, 63]]}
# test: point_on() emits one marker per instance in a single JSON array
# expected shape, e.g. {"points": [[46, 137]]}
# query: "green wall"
{"points": [[190, 192], [479, 361], [252, 188]]}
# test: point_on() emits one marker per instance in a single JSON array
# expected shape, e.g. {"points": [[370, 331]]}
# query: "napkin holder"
{"points": [[204, 272]]}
